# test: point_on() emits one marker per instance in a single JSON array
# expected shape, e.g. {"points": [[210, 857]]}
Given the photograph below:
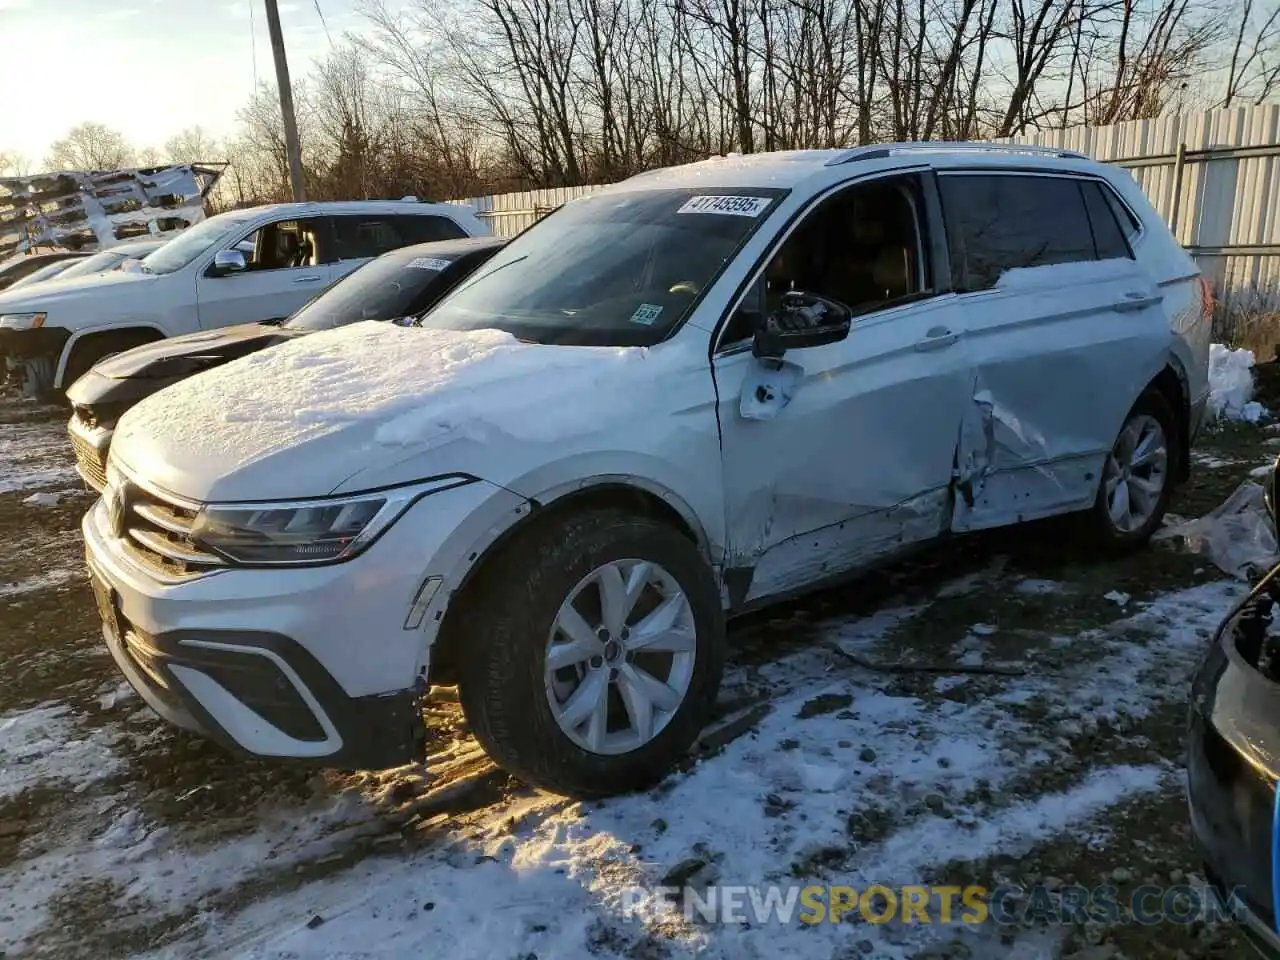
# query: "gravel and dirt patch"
{"points": [[997, 709]]}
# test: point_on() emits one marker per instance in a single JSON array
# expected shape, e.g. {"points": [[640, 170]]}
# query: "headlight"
{"points": [[22, 321], [307, 531]]}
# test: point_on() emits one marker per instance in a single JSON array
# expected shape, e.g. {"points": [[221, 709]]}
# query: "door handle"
{"points": [[1134, 300], [936, 339], [306, 279]]}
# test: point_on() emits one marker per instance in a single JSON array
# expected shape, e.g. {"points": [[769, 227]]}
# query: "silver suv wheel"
{"points": [[620, 656], [1136, 473]]}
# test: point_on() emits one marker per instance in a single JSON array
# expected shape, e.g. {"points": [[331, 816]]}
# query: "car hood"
{"points": [[176, 355], [340, 409], [51, 293]]}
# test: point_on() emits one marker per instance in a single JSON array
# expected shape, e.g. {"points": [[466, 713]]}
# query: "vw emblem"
{"points": [[115, 510]]}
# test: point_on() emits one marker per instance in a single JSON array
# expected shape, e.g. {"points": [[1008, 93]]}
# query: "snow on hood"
{"points": [[357, 397], [41, 296]]}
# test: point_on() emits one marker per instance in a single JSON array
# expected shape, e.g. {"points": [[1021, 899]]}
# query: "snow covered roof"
{"points": [[90, 210]]}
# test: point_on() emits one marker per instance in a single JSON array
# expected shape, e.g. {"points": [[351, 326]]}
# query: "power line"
{"points": [[322, 21], [253, 46]]}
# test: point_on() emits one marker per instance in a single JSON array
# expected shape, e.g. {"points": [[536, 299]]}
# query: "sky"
{"points": [[148, 68]]}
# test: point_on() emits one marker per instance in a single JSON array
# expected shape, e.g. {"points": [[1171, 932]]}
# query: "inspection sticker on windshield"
{"points": [[733, 206], [427, 263], [647, 313]]}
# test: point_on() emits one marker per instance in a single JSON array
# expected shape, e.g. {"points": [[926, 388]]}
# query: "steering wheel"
{"points": [[685, 286]]}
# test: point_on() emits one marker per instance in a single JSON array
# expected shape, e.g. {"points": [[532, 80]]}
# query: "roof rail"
{"points": [[883, 150]]}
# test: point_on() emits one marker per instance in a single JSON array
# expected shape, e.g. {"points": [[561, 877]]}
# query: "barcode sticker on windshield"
{"points": [[732, 206], [647, 313], [427, 263]]}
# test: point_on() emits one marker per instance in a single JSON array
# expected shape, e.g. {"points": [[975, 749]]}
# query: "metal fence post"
{"points": [[1179, 165]]}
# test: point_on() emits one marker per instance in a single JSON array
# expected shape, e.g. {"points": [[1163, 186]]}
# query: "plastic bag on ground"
{"points": [[1237, 536]]}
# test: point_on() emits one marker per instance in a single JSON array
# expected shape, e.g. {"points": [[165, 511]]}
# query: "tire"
{"points": [[93, 349], [1130, 522], [507, 687]]}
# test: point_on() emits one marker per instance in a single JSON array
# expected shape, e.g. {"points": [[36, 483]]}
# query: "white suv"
{"points": [[244, 266], [682, 397]]}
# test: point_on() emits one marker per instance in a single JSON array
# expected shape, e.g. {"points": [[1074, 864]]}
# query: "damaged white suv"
{"points": [[676, 399]]}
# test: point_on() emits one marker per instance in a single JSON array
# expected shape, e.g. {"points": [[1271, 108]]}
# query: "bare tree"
{"points": [[90, 146], [1253, 74], [191, 145], [14, 164]]}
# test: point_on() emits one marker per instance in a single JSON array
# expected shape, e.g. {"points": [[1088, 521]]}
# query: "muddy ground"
{"points": [[120, 836]]}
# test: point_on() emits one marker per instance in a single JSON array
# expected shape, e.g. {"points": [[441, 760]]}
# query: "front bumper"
{"points": [[321, 664]]}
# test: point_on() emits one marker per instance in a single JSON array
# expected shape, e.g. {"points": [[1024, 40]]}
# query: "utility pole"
{"points": [[286, 102]]}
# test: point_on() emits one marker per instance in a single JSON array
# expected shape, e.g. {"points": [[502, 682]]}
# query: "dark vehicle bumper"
{"points": [[97, 402], [270, 675], [1232, 763]]}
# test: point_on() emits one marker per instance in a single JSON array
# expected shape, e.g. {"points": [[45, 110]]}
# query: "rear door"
{"points": [[285, 269], [1064, 331]]}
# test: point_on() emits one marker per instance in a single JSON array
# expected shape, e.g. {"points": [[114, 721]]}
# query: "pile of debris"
{"points": [[90, 211]]}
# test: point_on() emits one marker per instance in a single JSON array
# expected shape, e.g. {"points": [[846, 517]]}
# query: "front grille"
{"points": [[90, 463], [157, 533]]}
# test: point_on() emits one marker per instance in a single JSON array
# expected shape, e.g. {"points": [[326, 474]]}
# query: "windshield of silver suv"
{"points": [[192, 242], [621, 269]]}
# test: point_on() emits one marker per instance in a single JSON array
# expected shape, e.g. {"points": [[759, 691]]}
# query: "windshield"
{"points": [[98, 263], [192, 242], [616, 269], [382, 289], [44, 273]]}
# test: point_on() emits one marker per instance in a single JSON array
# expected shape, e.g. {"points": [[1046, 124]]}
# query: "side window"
{"points": [[1000, 222], [1108, 241], [863, 247], [426, 229], [356, 237], [1128, 222], [279, 246]]}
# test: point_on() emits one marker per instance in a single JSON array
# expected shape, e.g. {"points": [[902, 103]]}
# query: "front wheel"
{"points": [[1137, 477], [592, 653]]}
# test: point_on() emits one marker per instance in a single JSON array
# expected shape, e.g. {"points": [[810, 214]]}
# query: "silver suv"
{"points": [[683, 397]]}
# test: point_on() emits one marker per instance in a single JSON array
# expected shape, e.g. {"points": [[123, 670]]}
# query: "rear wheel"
{"points": [[1137, 477], [592, 653]]}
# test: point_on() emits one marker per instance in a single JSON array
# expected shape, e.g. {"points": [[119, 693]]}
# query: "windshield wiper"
{"points": [[500, 266]]}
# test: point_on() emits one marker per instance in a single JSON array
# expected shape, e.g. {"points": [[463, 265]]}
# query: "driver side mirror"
{"points": [[803, 320], [227, 262]]}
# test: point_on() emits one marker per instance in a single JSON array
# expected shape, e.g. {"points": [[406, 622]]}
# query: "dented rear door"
{"points": [[1060, 351]]}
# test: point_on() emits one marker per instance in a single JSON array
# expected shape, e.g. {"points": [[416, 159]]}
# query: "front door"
{"points": [[285, 269], [847, 452]]}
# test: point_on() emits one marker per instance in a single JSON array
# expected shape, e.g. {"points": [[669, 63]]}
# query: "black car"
{"points": [[400, 285], [1233, 762]]}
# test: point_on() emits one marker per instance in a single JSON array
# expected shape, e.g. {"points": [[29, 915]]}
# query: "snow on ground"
{"points": [[782, 805], [34, 455]]}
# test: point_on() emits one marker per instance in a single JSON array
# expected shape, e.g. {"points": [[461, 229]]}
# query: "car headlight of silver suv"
{"points": [[22, 321], [308, 531]]}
